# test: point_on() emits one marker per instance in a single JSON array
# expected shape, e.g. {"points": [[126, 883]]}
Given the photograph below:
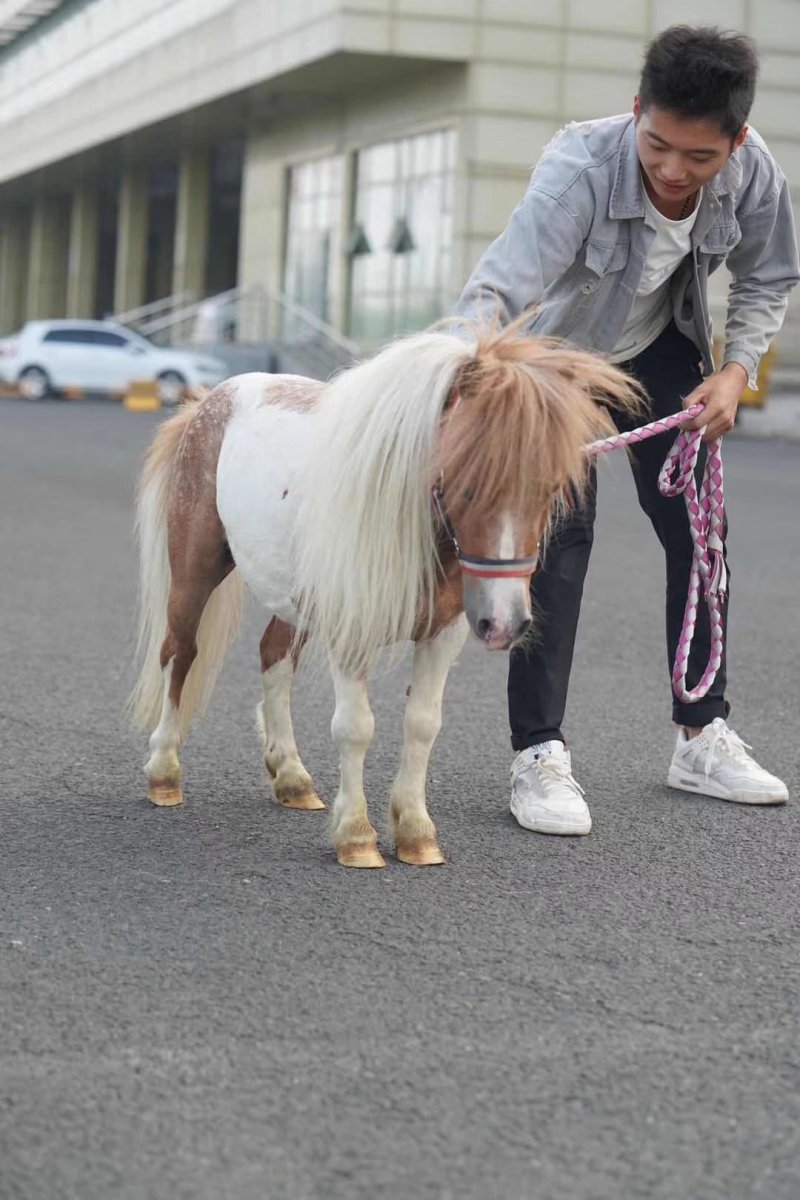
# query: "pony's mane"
{"points": [[365, 549], [526, 409]]}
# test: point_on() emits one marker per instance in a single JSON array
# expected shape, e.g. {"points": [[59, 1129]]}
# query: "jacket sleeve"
{"points": [[764, 267], [540, 242]]}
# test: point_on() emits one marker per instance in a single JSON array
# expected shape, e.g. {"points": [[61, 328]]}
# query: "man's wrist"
{"points": [[735, 371]]}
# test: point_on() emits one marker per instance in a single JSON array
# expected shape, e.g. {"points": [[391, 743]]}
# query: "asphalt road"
{"points": [[200, 1004]]}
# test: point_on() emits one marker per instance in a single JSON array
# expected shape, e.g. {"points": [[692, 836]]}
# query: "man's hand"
{"points": [[720, 395]]}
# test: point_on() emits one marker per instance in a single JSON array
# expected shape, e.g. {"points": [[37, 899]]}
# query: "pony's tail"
{"points": [[222, 612]]}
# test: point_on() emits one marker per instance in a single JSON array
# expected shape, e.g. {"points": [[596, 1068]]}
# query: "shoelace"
{"points": [[553, 771], [728, 741], [706, 524]]}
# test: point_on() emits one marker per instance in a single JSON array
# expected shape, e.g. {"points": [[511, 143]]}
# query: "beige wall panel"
{"points": [[491, 202], [776, 114], [458, 9], [506, 43], [432, 100], [590, 94], [368, 33], [606, 16], [728, 14], [524, 12], [781, 70], [594, 51], [776, 23], [512, 140], [515, 89], [788, 155], [433, 38]]}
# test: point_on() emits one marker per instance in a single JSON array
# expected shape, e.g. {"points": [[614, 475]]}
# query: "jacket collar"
{"points": [[627, 193]]}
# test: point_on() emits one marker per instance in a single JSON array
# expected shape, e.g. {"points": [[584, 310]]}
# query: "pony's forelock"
{"points": [[527, 408]]}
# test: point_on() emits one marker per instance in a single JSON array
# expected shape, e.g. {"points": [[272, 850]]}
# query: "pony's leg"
{"points": [[198, 564], [163, 768], [414, 831], [291, 782], [353, 725]]}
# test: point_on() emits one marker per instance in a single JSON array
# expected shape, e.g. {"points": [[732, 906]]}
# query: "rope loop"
{"points": [[706, 512]]}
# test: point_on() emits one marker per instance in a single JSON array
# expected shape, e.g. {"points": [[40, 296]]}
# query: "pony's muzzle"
{"points": [[498, 611]]}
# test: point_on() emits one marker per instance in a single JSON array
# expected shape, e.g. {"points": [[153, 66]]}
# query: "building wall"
{"points": [[312, 77]]}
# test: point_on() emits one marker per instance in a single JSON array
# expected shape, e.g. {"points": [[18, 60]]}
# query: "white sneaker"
{"points": [[544, 796], [716, 763]]}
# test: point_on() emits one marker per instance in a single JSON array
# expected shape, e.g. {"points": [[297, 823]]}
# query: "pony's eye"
{"points": [[469, 495]]}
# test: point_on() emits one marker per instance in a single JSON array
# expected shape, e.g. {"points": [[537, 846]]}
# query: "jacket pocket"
{"points": [[601, 260]]}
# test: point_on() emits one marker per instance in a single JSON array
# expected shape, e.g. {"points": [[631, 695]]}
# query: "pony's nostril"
{"points": [[483, 628]]}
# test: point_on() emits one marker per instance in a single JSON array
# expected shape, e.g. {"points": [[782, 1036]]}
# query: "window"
{"points": [[99, 337], [313, 233], [404, 217], [73, 336], [86, 337]]}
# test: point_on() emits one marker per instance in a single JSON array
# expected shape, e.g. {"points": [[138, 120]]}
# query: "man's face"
{"points": [[679, 154]]}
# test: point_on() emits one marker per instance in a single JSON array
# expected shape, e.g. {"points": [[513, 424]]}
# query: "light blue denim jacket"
{"points": [[576, 245]]}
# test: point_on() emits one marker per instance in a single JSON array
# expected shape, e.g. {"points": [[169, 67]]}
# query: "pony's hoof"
{"points": [[164, 795], [299, 798], [420, 852], [355, 854]]}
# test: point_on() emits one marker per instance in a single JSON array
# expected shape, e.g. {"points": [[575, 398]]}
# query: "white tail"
{"points": [[221, 615]]}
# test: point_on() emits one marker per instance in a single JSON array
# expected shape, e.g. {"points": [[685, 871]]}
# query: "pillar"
{"points": [[191, 222], [132, 225], [82, 260], [14, 250], [47, 260]]}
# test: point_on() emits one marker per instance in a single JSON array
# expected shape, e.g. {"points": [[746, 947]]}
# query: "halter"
{"points": [[480, 568], [706, 512]]}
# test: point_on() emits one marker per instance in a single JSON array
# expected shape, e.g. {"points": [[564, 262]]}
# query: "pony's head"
{"points": [[500, 425], [512, 448]]}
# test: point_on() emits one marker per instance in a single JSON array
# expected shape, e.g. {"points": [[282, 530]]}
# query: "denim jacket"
{"points": [[576, 245]]}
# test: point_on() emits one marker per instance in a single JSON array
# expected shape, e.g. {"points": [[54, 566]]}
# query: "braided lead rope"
{"points": [[706, 523]]}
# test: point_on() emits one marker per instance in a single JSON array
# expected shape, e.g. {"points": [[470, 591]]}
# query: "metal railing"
{"points": [[167, 304], [298, 339]]}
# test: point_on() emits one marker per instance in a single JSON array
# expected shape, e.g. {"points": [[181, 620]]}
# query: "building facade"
{"points": [[356, 156]]}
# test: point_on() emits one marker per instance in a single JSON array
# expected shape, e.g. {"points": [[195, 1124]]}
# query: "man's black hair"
{"points": [[703, 73]]}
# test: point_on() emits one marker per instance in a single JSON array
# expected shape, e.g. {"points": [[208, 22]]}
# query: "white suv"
{"points": [[48, 357]]}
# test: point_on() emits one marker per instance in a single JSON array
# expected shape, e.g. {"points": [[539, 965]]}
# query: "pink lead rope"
{"points": [[706, 523]]}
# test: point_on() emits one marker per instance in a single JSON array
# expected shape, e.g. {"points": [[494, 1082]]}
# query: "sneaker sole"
{"points": [[555, 827], [698, 785]]}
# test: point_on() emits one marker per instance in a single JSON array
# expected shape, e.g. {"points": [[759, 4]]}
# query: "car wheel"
{"points": [[34, 383], [171, 388]]}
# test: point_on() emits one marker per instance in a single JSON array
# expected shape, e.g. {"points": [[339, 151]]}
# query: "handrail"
{"points": [[260, 294], [155, 306], [178, 316]]}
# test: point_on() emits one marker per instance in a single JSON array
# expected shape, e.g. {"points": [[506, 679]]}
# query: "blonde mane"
{"points": [[365, 548]]}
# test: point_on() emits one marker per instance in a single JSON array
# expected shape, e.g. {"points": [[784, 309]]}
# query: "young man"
{"points": [[623, 221]]}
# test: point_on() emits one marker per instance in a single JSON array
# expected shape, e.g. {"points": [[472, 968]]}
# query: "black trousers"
{"points": [[539, 675]]}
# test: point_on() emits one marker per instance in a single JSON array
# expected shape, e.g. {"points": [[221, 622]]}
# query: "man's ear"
{"points": [[637, 108], [741, 135]]}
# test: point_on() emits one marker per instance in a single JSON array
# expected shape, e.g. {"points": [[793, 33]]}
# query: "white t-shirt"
{"points": [[651, 311]]}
